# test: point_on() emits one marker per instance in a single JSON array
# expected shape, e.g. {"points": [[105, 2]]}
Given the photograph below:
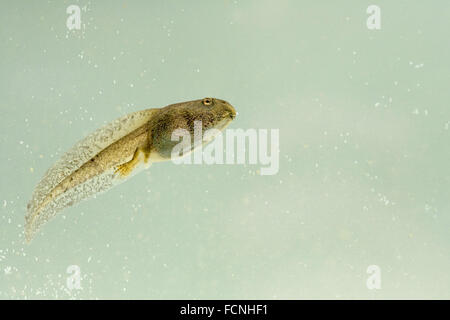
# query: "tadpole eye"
{"points": [[207, 101]]}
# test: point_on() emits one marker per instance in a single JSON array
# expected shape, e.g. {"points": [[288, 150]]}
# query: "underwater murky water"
{"points": [[359, 207]]}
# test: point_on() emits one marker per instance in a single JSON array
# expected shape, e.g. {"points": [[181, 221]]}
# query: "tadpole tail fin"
{"points": [[50, 207], [41, 208]]}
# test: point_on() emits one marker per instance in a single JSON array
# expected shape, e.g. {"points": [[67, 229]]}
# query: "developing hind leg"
{"points": [[125, 169]]}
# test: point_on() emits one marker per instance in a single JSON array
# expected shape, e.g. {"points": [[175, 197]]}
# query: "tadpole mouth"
{"points": [[231, 112], [228, 110]]}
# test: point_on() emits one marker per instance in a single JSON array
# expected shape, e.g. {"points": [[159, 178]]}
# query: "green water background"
{"points": [[364, 149]]}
